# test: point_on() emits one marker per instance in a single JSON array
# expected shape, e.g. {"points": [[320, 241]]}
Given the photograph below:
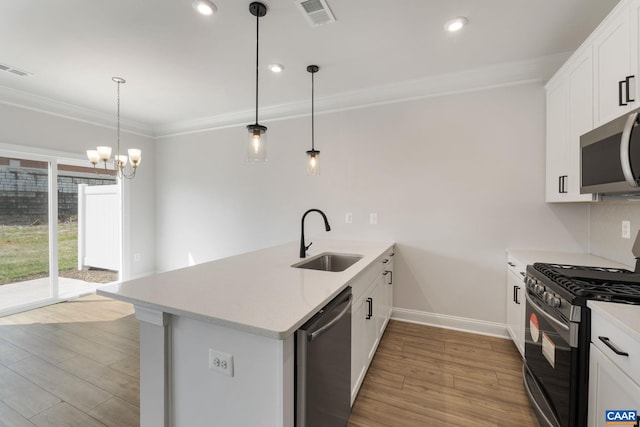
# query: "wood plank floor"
{"points": [[77, 364], [427, 376]]}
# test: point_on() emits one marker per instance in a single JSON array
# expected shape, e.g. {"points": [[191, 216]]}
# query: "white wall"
{"points": [[31, 130], [605, 229], [454, 180]]}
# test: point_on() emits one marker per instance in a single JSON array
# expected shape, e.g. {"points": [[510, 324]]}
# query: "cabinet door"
{"points": [[612, 49], [557, 137], [515, 310], [609, 388], [580, 121], [364, 336], [371, 323]]}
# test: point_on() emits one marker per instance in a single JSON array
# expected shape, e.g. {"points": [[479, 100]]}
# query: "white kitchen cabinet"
{"points": [[569, 115], [615, 45], [385, 295], [614, 361], [371, 310], [364, 335], [609, 388], [515, 301]]}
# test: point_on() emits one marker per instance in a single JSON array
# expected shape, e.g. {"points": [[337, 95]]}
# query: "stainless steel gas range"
{"points": [[557, 334]]}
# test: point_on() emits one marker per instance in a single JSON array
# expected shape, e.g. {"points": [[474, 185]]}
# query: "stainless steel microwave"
{"points": [[610, 157]]}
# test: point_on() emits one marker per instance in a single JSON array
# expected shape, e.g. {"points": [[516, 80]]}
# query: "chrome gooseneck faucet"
{"points": [[303, 247]]}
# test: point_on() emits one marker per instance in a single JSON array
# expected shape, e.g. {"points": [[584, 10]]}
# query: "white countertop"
{"points": [[625, 316], [257, 292], [572, 258]]}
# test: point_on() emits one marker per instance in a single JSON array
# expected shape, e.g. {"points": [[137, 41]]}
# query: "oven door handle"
{"points": [[545, 314], [625, 154]]}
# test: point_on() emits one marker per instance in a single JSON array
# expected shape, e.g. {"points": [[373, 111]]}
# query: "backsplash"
{"points": [[605, 228]]}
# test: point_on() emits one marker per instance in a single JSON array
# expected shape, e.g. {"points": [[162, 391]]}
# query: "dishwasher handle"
{"points": [[312, 336]]}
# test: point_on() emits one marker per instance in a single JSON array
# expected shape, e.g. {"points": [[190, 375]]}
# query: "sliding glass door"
{"points": [[24, 232], [39, 229]]}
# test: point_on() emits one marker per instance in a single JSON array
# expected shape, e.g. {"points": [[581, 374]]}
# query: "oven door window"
{"points": [[548, 357]]}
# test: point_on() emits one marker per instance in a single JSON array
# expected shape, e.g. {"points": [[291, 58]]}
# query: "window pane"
{"points": [[24, 231]]}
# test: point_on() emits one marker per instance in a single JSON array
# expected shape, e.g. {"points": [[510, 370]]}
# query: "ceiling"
{"points": [[182, 66]]}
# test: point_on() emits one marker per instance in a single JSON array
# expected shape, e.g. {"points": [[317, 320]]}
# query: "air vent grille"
{"points": [[317, 12], [13, 70]]}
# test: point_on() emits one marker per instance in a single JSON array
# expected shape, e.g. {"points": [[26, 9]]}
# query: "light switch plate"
{"points": [[373, 218], [348, 218]]}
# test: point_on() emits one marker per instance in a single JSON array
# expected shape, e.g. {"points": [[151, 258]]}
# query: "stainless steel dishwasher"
{"points": [[323, 366]]}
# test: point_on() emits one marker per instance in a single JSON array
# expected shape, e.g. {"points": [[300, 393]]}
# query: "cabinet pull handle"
{"points": [[560, 184], [615, 349], [370, 311], [516, 288], [384, 261], [511, 264], [620, 102], [628, 88], [522, 273], [392, 254], [390, 273]]}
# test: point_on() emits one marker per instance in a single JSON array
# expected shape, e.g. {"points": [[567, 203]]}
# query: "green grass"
{"points": [[24, 250]]}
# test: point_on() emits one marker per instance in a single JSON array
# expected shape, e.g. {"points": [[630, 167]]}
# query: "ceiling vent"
{"points": [[317, 12], [13, 70]]}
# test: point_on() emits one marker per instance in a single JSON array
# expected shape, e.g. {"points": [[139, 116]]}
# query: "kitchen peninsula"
{"points": [[245, 308]]}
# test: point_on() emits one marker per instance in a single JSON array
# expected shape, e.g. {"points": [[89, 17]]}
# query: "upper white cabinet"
{"points": [[569, 115], [615, 45], [597, 84]]}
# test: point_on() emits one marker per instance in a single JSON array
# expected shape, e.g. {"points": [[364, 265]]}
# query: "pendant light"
{"points": [[104, 152], [256, 146], [313, 160]]}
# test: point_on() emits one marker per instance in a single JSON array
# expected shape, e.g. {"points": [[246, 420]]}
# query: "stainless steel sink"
{"points": [[329, 262]]}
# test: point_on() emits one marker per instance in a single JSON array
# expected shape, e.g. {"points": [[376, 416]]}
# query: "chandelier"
{"points": [[103, 153]]}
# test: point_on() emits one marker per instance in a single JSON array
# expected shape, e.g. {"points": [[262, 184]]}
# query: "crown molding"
{"points": [[500, 75], [40, 104], [506, 74]]}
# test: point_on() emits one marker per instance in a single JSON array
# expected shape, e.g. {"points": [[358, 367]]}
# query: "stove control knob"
{"points": [[554, 301], [538, 289]]}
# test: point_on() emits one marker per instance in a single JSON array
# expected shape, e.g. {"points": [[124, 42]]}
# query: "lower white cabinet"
{"points": [[370, 313], [516, 311], [610, 388], [614, 367]]}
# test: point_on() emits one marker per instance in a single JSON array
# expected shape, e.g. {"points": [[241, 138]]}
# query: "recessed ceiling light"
{"points": [[455, 24], [205, 7], [276, 68]]}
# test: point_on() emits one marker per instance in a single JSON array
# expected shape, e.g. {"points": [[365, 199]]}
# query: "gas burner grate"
{"points": [[605, 284]]}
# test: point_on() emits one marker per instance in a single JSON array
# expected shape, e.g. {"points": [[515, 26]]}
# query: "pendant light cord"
{"points": [[118, 124], [257, 50], [312, 114]]}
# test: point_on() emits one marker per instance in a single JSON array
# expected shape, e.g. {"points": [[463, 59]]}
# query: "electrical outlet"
{"points": [[626, 229], [348, 218], [373, 218], [221, 362]]}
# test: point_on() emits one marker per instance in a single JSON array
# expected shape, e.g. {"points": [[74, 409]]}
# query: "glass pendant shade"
{"points": [[256, 146], [313, 162], [93, 156]]}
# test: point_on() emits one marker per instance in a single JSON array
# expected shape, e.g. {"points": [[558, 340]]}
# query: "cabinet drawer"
{"points": [[616, 338], [516, 266], [361, 282]]}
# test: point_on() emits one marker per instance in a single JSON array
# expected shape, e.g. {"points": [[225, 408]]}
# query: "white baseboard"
{"points": [[451, 322]]}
